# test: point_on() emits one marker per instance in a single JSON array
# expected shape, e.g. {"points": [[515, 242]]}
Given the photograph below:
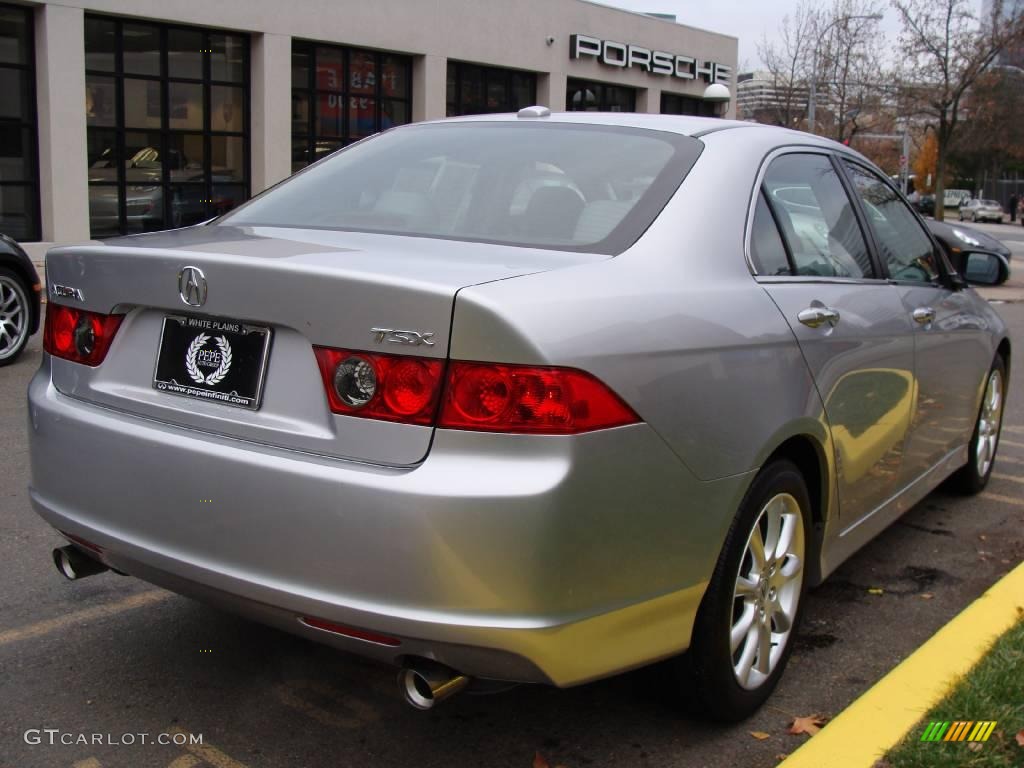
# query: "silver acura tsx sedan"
{"points": [[534, 398]]}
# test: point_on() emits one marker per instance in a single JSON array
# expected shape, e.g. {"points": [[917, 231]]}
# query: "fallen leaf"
{"points": [[781, 756], [1020, 737], [876, 591], [982, 536], [809, 725], [539, 761], [760, 735], [974, 746], [926, 595]]}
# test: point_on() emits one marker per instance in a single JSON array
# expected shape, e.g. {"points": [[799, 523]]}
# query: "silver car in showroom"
{"points": [[529, 398]]}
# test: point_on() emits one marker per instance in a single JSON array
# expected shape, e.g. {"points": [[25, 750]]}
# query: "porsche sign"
{"points": [[625, 56]]}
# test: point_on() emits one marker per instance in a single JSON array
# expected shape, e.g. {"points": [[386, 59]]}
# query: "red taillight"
{"points": [[517, 398], [484, 397], [375, 386], [77, 335]]}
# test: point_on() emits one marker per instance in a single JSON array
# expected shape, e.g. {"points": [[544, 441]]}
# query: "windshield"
{"points": [[553, 185]]}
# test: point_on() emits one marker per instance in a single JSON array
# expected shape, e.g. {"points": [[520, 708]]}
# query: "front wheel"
{"points": [[981, 451], [743, 634]]}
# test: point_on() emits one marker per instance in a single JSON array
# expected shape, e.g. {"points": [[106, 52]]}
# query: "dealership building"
{"points": [[124, 116]]}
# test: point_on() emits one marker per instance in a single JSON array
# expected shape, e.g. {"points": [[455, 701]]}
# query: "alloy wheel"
{"points": [[989, 422], [13, 316], [767, 591]]}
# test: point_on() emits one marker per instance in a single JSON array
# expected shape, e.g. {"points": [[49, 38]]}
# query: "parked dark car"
{"points": [[19, 300], [957, 239], [925, 205]]}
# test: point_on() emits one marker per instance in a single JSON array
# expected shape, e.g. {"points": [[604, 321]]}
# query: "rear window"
{"points": [[550, 185]]}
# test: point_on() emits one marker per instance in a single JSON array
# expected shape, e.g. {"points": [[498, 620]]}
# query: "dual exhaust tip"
{"points": [[423, 682]]}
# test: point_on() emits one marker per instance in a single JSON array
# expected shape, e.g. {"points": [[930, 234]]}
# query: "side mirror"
{"points": [[982, 268]]}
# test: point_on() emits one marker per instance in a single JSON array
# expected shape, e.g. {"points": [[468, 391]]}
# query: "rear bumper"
{"points": [[525, 558]]}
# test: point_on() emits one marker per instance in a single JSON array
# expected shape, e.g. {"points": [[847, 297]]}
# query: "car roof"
{"points": [[686, 125]]}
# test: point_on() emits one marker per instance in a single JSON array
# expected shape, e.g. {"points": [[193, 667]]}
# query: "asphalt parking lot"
{"points": [[113, 656]]}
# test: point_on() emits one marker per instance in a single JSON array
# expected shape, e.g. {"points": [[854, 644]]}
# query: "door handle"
{"points": [[815, 317], [923, 315]]}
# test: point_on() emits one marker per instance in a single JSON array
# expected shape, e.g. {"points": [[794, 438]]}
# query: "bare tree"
{"points": [[841, 49], [850, 68], [946, 49], [788, 63]]}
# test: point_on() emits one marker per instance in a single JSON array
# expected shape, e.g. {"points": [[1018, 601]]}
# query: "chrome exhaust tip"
{"points": [[424, 683], [74, 565]]}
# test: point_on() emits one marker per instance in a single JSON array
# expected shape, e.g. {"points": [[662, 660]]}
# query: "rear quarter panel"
{"points": [[676, 325]]}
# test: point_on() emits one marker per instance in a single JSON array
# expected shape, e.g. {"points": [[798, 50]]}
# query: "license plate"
{"points": [[214, 359]]}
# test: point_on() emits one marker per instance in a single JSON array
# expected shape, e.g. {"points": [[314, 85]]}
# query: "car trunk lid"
{"points": [[310, 288]]}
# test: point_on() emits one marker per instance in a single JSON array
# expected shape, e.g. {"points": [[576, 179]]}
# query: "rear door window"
{"points": [[816, 217], [767, 250]]}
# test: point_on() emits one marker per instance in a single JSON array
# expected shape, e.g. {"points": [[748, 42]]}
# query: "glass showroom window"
{"points": [[168, 124], [474, 90], [341, 95], [586, 96], [677, 104], [19, 169]]}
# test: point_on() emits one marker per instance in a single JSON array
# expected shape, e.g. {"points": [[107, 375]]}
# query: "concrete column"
{"points": [[60, 89], [429, 87], [551, 90], [271, 110], [649, 100]]}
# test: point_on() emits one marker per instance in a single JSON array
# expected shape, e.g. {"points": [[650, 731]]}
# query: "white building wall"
{"points": [[60, 96], [271, 85]]}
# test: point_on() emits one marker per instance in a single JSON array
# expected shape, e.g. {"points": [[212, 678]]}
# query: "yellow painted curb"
{"points": [[883, 715]]}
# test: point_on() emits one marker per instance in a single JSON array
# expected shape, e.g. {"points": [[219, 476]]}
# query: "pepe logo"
{"points": [[199, 357]]}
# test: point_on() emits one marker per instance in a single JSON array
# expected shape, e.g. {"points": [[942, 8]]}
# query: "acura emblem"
{"points": [[192, 286]]}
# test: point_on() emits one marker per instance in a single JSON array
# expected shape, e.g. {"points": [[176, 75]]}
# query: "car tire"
{"points": [[981, 451], [723, 672], [15, 316]]}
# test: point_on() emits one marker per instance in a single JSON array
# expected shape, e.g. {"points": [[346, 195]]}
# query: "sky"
{"points": [[749, 20]]}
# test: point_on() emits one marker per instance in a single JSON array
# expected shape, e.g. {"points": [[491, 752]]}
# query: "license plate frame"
{"points": [[225, 362]]}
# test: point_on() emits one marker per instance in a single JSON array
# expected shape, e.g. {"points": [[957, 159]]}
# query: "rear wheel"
{"points": [[744, 628], [981, 451], [14, 316]]}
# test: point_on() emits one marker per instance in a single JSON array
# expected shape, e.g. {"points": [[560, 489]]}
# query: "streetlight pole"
{"points": [[813, 95]]}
